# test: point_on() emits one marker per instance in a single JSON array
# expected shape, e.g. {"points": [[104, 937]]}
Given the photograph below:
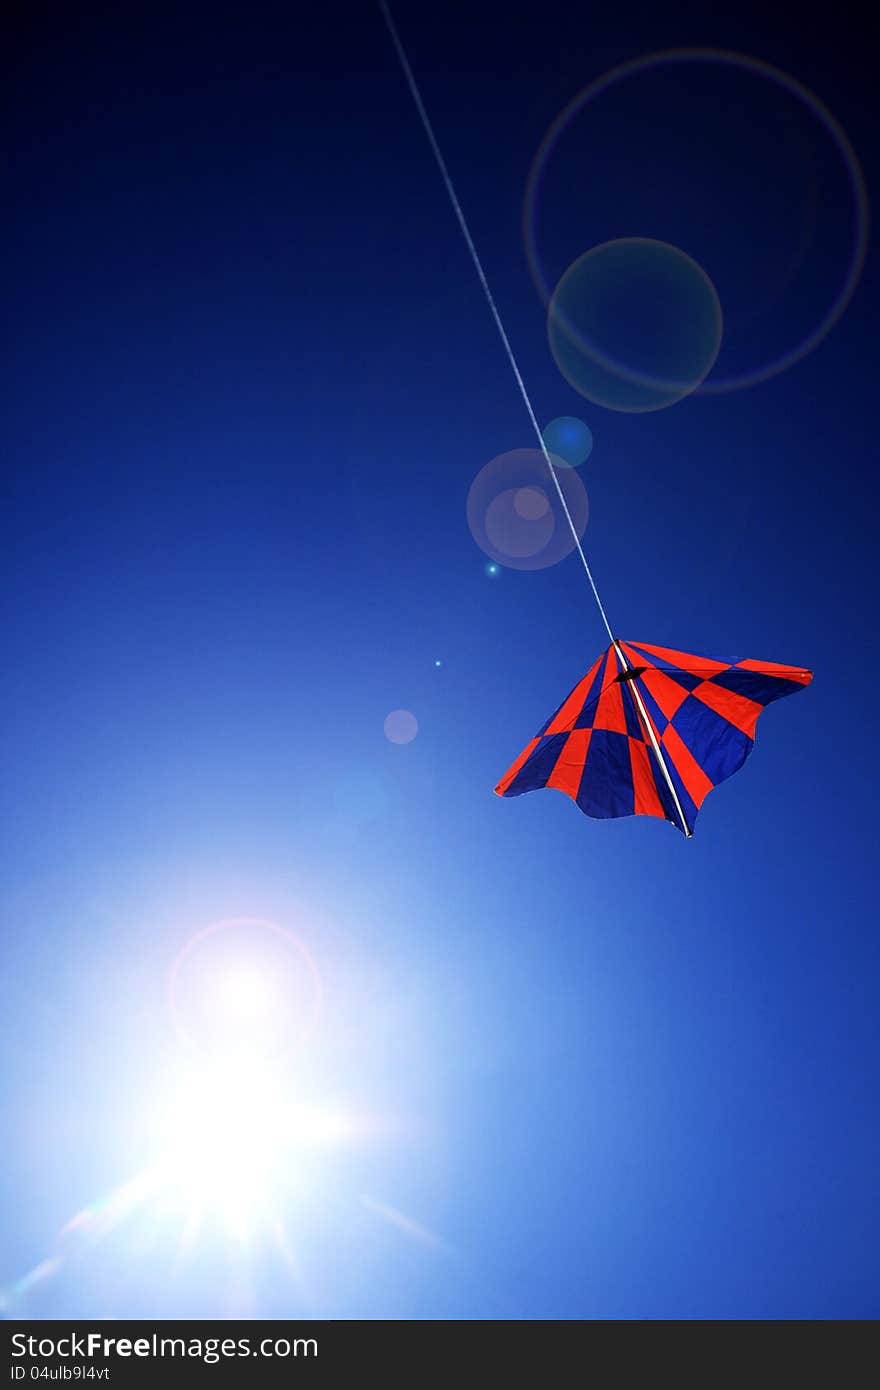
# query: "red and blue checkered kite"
{"points": [[649, 732]]}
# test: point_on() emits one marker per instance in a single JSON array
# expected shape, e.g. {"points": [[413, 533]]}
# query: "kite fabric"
{"points": [[701, 716]]}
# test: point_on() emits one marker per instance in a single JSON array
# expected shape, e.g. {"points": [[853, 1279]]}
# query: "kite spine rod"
{"points": [[490, 299], [655, 742]]}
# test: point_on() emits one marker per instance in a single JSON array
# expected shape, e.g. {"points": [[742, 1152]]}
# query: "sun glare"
{"points": [[236, 1146], [228, 1140], [224, 1138]]}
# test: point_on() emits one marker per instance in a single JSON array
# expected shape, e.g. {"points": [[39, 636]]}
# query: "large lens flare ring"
{"points": [[787, 83]]}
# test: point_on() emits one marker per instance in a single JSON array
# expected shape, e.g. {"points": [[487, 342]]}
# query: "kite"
{"points": [[650, 731]]}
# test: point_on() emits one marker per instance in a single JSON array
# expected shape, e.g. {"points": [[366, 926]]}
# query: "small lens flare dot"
{"points": [[531, 503], [493, 571]]}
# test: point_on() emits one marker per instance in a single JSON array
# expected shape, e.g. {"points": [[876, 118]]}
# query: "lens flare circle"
{"points": [[244, 981], [401, 726], [514, 513], [767, 370], [635, 324]]}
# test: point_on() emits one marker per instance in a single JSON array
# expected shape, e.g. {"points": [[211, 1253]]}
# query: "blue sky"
{"points": [[588, 1069]]}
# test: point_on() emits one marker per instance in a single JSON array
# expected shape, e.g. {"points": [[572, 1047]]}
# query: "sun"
{"points": [[244, 995], [227, 1126], [237, 1142]]}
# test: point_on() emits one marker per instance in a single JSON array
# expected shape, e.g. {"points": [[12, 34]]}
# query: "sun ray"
{"points": [[406, 1224]]}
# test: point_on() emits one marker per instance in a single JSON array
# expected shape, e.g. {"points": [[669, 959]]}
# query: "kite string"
{"points": [[490, 299]]}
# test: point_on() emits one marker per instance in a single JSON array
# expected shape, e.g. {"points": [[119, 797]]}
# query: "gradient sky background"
{"points": [[600, 1071]]}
